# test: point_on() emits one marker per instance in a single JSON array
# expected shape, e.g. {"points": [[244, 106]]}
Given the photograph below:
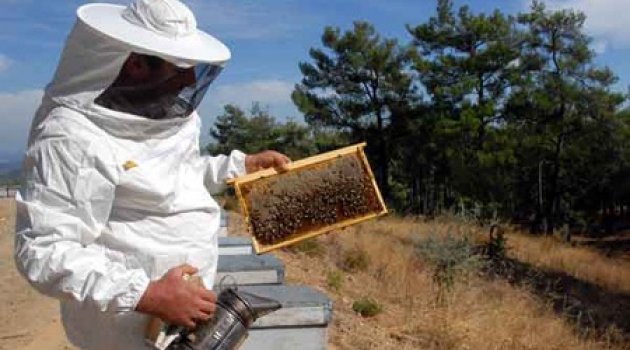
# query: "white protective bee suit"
{"points": [[113, 200]]}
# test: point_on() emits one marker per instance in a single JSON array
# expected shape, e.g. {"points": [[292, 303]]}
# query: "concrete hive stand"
{"points": [[302, 323]]}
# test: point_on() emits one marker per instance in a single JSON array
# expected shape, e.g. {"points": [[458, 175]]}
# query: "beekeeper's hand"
{"points": [[176, 301], [266, 159]]}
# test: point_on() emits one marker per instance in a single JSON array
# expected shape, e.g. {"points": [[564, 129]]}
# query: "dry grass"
{"points": [[580, 262], [479, 313]]}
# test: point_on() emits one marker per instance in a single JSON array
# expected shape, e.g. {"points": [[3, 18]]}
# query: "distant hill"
{"points": [[9, 165], [10, 171]]}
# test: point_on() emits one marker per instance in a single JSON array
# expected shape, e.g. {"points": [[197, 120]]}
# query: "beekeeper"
{"points": [[116, 205]]}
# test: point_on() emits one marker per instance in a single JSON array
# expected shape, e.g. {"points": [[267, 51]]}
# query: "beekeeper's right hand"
{"points": [[176, 301]]}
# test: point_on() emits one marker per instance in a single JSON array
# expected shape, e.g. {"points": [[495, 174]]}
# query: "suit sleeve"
{"points": [[64, 205], [222, 167]]}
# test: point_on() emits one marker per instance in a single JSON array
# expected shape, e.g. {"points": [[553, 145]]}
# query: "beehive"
{"points": [[316, 195]]}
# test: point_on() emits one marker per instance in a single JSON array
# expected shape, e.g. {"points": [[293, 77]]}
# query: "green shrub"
{"points": [[355, 260], [335, 280], [451, 258], [367, 307]]}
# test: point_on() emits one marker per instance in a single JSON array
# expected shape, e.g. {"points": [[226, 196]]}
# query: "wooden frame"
{"points": [[302, 164]]}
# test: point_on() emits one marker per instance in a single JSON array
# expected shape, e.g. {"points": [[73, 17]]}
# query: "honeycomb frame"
{"points": [[244, 185]]}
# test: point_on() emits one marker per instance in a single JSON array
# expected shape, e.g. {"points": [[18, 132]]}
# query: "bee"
{"points": [[309, 199]]}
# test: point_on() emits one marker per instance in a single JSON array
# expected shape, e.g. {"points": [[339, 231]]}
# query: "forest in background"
{"points": [[488, 115]]}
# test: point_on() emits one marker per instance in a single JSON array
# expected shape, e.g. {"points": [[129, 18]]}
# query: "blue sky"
{"points": [[267, 38]]}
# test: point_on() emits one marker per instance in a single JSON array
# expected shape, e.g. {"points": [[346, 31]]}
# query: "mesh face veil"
{"points": [[191, 96], [165, 91]]}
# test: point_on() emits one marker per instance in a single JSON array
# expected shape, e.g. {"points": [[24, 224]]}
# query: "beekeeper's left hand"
{"points": [[266, 159]]}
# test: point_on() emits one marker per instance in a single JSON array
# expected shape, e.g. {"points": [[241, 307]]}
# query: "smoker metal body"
{"points": [[235, 313]]}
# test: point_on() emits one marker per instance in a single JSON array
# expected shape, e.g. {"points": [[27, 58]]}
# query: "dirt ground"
{"points": [[28, 320]]}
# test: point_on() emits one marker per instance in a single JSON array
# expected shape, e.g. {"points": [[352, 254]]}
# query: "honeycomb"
{"points": [[312, 198]]}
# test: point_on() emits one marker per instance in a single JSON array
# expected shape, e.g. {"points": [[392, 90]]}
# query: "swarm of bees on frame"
{"points": [[310, 199]]}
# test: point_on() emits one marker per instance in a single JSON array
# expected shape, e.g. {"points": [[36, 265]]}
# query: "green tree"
{"points": [[234, 129], [466, 62], [356, 85], [258, 131], [564, 108]]}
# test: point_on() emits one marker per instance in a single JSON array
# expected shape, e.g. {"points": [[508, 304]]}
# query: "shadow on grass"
{"points": [[615, 247], [591, 307]]}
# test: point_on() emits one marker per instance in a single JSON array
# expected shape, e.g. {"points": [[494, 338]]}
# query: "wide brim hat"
{"points": [[138, 26]]}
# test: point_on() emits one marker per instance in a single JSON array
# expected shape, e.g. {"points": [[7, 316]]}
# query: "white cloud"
{"points": [[607, 20], [599, 46], [16, 112], [5, 62], [17, 109], [263, 91]]}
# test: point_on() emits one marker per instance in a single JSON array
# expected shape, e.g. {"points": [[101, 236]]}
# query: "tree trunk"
{"points": [[383, 156], [418, 197], [552, 206]]}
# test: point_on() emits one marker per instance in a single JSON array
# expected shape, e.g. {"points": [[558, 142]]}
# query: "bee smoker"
{"points": [[235, 312]]}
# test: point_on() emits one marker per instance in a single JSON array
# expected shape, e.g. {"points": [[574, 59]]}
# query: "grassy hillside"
{"points": [[407, 284]]}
